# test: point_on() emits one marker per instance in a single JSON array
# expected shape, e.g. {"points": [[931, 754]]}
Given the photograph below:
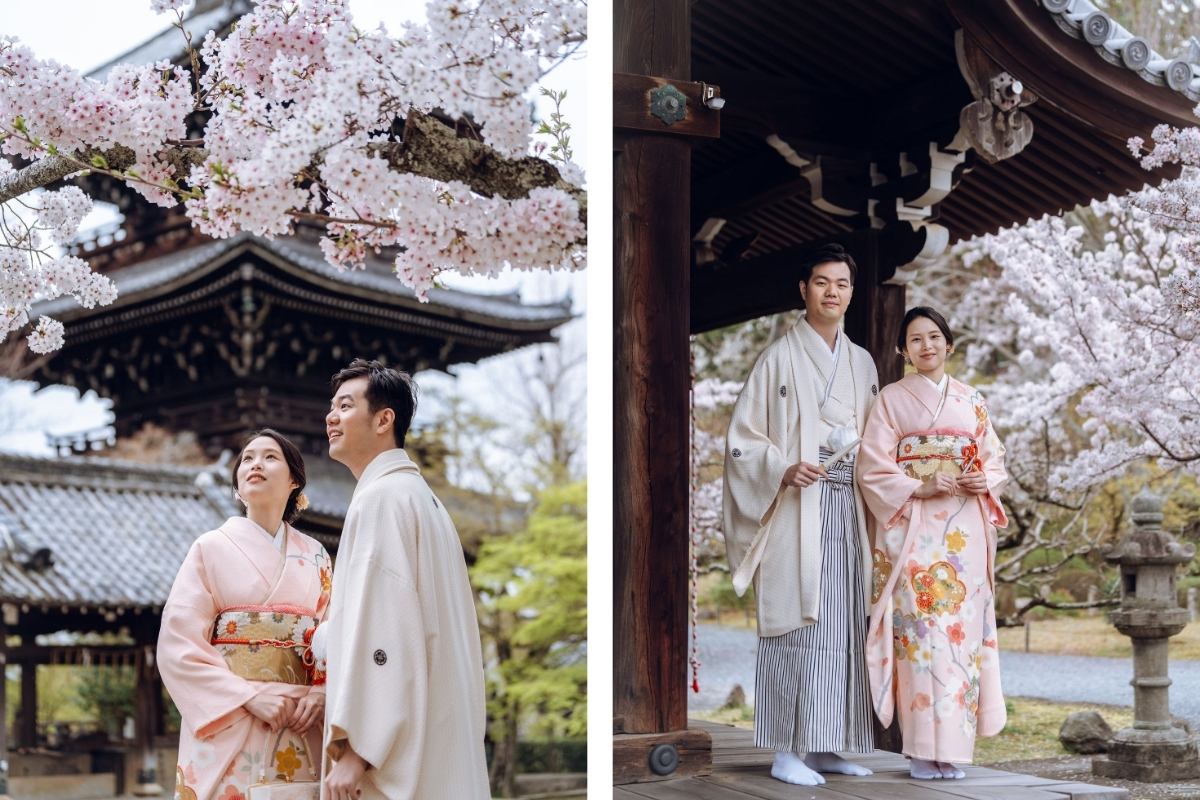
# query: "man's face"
{"points": [[350, 424], [827, 293]]}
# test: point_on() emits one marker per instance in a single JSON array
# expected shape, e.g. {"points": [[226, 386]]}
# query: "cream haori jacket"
{"points": [[776, 423], [405, 669]]}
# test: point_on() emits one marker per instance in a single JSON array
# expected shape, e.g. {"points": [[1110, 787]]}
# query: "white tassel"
{"points": [[318, 647]]}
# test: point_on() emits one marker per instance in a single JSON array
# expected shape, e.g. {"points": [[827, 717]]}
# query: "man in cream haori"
{"points": [[405, 708], [794, 526]]}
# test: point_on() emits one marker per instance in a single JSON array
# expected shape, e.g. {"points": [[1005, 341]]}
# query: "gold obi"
{"points": [[925, 453], [268, 643]]}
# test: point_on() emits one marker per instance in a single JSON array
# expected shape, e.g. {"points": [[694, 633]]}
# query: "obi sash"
{"points": [[268, 643], [923, 454]]}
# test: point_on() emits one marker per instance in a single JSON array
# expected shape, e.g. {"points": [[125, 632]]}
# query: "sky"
{"points": [[79, 35]]}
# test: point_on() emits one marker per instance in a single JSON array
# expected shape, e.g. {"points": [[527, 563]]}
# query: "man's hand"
{"points": [[803, 474], [973, 482], [342, 780], [271, 709], [309, 711], [940, 483]]}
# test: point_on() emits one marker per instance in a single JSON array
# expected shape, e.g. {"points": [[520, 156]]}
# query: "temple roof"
{"points": [[1119, 47], [97, 532], [154, 277], [880, 126], [116, 532], [205, 16]]}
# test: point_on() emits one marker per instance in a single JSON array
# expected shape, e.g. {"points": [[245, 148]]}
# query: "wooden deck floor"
{"points": [[743, 772]]}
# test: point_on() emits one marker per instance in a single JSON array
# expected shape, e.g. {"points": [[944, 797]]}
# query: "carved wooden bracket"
{"points": [[994, 125]]}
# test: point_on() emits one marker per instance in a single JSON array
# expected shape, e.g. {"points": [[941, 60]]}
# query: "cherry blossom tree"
{"points": [[308, 117]]}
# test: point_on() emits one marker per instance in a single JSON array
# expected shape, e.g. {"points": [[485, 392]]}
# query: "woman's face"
{"points": [[926, 345], [264, 476]]}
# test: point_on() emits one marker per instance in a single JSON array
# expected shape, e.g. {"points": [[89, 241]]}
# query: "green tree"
{"points": [[110, 694], [532, 594]]}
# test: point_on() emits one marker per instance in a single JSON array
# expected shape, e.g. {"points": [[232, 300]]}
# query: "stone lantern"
{"points": [[1153, 750]]}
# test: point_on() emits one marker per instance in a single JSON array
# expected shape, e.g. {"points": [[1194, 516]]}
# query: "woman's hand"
{"points": [[271, 709], [939, 483], [973, 482], [309, 711]]}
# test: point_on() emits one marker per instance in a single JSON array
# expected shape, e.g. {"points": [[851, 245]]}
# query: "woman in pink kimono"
{"points": [[234, 646], [931, 470]]}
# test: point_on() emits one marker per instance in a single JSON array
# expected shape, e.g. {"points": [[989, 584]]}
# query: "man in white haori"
{"points": [[405, 709], [794, 525]]}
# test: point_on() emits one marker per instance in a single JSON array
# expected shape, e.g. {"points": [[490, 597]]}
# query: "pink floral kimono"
{"points": [[227, 636], [931, 646]]}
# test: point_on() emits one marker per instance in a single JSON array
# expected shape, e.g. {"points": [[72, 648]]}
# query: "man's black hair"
{"points": [[823, 255], [386, 388]]}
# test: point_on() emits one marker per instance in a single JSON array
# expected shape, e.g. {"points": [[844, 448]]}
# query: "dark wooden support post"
{"points": [[872, 321], [27, 736], [3, 709], [149, 704], [877, 308], [650, 449]]}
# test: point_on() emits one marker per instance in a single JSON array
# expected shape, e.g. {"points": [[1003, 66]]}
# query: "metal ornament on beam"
{"points": [[656, 105]]}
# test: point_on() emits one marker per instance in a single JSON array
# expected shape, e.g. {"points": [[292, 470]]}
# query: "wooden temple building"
{"points": [[215, 337], [747, 133]]}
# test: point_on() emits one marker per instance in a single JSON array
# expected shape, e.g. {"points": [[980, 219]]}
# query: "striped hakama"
{"points": [[810, 687]]}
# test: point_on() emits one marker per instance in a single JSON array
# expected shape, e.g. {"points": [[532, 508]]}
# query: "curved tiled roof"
{"points": [[149, 277], [1120, 47], [117, 532], [169, 44]]}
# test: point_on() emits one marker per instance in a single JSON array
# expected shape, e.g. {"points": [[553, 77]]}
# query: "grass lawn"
{"points": [[1031, 732], [1091, 636], [1032, 729]]}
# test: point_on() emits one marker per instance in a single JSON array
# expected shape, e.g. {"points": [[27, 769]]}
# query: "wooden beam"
{"points": [[744, 187], [837, 122], [694, 748], [652, 257], [769, 284], [631, 106]]}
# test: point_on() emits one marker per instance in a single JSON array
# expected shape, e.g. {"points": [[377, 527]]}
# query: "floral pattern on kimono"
{"points": [[931, 648], [221, 745]]}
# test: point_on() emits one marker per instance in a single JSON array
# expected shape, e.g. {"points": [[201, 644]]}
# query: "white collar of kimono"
{"points": [[834, 354], [277, 539], [940, 385]]}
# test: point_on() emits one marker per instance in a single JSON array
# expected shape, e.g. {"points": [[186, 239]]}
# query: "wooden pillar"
{"points": [[877, 309], [148, 695], [27, 736], [652, 183], [3, 709], [872, 322], [651, 297]]}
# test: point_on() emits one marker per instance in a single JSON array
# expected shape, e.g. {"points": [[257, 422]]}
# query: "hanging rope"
{"points": [[693, 469]]}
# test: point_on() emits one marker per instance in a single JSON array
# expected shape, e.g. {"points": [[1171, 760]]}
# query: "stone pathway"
{"points": [[727, 658]]}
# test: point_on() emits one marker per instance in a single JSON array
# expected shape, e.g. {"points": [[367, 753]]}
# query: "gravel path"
{"points": [[727, 658]]}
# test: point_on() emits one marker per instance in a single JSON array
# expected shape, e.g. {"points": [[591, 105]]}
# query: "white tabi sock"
{"points": [[832, 762], [950, 772], [924, 770], [790, 768]]}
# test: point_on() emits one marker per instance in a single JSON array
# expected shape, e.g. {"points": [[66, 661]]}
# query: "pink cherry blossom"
{"points": [[299, 100]]}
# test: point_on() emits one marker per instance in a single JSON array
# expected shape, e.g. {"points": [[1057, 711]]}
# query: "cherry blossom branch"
{"points": [[430, 149]]}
